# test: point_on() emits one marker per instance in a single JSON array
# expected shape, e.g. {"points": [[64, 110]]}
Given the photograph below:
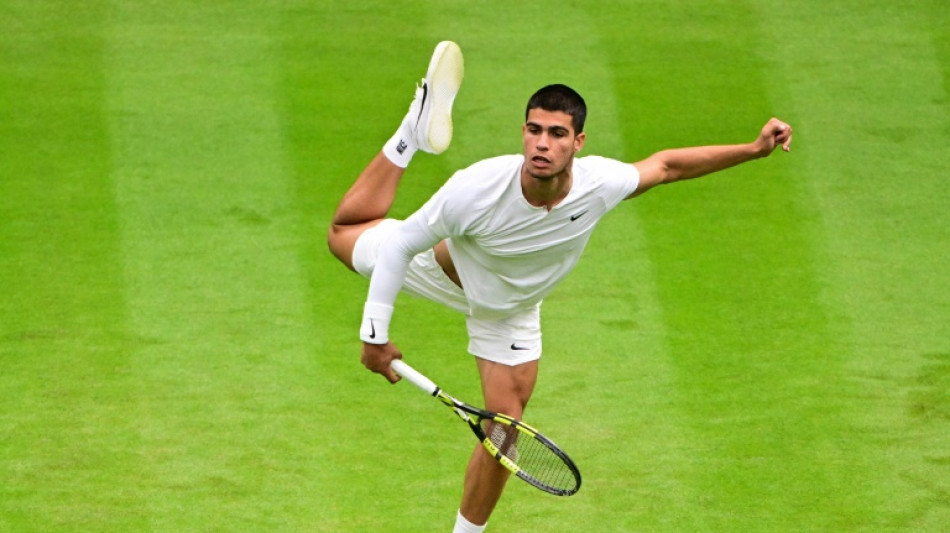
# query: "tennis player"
{"points": [[497, 237]]}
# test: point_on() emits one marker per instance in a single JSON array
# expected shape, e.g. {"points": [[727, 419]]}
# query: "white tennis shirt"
{"points": [[508, 253]]}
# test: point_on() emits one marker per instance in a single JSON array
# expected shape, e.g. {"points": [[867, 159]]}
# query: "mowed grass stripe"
{"points": [[348, 72], [233, 398], [734, 257], [882, 203], [65, 440], [215, 289]]}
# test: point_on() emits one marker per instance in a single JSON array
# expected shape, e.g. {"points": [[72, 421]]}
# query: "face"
{"points": [[549, 143]]}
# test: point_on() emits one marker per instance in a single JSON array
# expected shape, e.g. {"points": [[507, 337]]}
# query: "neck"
{"points": [[546, 191]]}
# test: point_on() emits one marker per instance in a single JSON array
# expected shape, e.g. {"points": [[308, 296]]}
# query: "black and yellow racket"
{"points": [[520, 448]]}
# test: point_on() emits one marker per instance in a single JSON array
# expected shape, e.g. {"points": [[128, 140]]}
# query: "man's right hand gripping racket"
{"points": [[516, 445]]}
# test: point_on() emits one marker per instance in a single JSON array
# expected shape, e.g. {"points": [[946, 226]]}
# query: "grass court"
{"points": [[766, 350]]}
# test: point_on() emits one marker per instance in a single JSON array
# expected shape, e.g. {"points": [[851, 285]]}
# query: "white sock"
{"points": [[464, 526], [400, 147]]}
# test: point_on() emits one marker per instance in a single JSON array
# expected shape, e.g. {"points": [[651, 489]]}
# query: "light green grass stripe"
{"points": [[215, 288], [874, 125]]}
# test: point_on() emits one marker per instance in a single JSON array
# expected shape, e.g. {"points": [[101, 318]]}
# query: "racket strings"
{"points": [[534, 457]]}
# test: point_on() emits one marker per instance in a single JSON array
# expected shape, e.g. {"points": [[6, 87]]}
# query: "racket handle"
{"points": [[413, 376]]}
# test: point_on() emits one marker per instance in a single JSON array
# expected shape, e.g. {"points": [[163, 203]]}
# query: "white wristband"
{"points": [[375, 326]]}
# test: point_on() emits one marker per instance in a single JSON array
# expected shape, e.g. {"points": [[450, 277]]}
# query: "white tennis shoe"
{"points": [[431, 110]]}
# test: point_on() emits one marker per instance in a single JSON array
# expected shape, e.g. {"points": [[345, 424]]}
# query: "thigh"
{"points": [[424, 277], [507, 388]]}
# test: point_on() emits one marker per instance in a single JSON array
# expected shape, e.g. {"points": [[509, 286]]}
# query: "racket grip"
{"points": [[414, 376]]}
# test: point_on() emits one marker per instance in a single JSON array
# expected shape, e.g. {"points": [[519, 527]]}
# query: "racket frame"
{"points": [[465, 412]]}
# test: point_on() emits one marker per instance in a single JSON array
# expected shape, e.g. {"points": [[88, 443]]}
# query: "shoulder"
{"points": [[605, 167], [486, 175], [501, 165], [609, 179], [470, 194]]}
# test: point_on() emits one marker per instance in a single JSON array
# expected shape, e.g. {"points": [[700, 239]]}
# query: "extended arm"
{"points": [[677, 164]]}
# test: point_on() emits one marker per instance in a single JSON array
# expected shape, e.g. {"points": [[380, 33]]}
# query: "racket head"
{"points": [[528, 454], [517, 446]]}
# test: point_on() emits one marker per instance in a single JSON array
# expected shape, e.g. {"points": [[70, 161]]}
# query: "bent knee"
{"points": [[341, 239]]}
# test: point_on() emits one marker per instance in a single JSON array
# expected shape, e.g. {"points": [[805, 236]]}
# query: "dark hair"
{"points": [[560, 97]]}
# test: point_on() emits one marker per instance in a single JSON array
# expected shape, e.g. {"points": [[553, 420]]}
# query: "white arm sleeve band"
{"points": [[411, 238]]}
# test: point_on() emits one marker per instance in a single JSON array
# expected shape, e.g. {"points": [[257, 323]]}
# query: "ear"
{"points": [[579, 141]]}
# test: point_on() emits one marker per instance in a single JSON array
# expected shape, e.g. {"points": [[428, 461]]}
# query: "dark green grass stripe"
{"points": [[58, 216], [63, 392]]}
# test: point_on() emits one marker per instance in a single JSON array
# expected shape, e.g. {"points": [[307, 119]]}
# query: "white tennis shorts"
{"points": [[511, 341]]}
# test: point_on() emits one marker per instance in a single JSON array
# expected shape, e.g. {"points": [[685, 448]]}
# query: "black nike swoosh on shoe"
{"points": [[425, 94], [579, 215], [516, 347]]}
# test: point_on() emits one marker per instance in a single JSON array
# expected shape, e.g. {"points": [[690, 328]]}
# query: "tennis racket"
{"points": [[520, 448]]}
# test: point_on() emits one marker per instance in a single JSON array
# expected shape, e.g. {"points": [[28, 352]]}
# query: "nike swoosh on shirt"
{"points": [[372, 329], [579, 215], [516, 347]]}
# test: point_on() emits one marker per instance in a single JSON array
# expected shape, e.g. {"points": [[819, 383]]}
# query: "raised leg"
{"points": [[427, 126], [363, 206]]}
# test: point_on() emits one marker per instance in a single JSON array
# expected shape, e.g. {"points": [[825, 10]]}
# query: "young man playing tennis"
{"points": [[497, 237]]}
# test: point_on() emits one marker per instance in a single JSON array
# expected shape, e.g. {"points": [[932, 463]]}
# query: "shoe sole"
{"points": [[444, 78]]}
